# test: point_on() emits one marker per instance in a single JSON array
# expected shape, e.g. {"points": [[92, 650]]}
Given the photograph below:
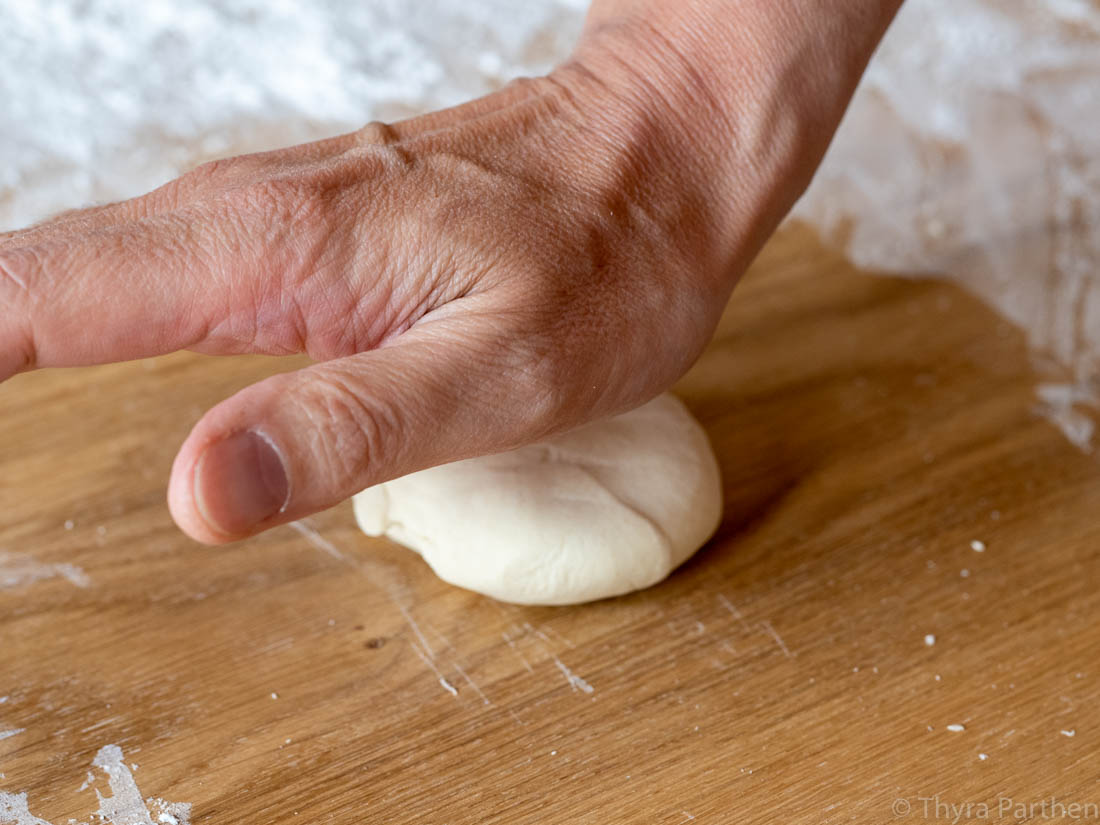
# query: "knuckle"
{"points": [[377, 133], [214, 176], [204, 180], [212, 171]]}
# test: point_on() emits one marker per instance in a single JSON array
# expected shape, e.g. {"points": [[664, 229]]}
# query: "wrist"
{"points": [[727, 107]]}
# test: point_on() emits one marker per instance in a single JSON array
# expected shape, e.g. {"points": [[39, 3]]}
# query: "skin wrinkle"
{"points": [[174, 244], [355, 426], [526, 119], [454, 400], [375, 318], [27, 350], [276, 321], [433, 284], [633, 190], [18, 351], [512, 95], [220, 325], [323, 298], [8, 273]]}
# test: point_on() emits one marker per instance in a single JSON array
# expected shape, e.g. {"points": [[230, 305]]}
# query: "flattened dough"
{"points": [[611, 507]]}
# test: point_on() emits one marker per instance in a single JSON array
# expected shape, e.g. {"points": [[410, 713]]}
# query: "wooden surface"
{"points": [[868, 429]]}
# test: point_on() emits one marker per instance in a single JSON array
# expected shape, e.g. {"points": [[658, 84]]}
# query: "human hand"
{"points": [[469, 280]]}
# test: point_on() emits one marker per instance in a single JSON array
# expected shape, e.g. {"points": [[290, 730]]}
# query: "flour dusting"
{"points": [[14, 810], [18, 571], [125, 805]]}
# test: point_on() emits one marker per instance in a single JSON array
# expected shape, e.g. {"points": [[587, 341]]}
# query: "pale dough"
{"points": [[608, 508]]}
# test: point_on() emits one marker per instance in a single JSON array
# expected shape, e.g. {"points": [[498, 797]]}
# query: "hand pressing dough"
{"points": [[608, 508]]}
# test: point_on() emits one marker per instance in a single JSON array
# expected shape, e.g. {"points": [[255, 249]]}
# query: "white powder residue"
{"points": [[125, 806], [1068, 407], [18, 571], [956, 728], [13, 810], [170, 813], [5, 734], [575, 681]]}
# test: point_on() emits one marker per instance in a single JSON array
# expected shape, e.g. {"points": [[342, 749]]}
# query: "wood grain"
{"points": [[868, 428]]}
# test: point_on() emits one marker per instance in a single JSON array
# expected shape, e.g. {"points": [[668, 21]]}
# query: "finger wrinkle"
{"points": [[9, 270], [18, 355]]}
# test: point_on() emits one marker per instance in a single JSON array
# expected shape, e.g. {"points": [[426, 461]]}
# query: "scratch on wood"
{"points": [[99, 724], [527, 626], [517, 651], [778, 639], [575, 681], [446, 642], [317, 540], [732, 608], [447, 686], [416, 629], [320, 542], [473, 684], [557, 635]]}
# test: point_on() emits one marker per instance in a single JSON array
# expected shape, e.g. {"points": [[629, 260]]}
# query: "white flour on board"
{"points": [[17, 571], [970, 149], [125, 805], [13, 810]]}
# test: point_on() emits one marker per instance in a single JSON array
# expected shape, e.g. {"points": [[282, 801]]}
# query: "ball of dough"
{"points": [[610, 507]]}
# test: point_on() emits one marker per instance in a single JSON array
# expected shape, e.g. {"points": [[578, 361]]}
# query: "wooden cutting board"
{"points": [[899, 612]]}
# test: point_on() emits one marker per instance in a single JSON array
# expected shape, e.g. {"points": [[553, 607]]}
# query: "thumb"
{"points": [[300, 442]]}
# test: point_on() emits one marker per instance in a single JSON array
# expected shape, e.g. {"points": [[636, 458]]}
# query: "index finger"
{"points": [[142, 288]]}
